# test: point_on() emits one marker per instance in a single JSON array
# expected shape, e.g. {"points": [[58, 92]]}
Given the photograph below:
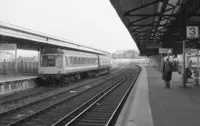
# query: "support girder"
{"points": [[164, 15], [138, 20], [142, 26], [144, 31], [154, 2], [165, 2]]}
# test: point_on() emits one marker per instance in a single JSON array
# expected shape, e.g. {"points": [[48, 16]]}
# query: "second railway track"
{"points": [[102, 109], [16, 116]]}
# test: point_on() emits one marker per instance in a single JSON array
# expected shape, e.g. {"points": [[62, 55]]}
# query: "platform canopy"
{"points": [[33, 40], [159, 23]]}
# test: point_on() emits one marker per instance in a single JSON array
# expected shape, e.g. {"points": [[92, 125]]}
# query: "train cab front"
{"points": [[51, 68]]}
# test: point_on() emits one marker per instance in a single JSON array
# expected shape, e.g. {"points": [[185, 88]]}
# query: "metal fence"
{"points": [[7, 68]]}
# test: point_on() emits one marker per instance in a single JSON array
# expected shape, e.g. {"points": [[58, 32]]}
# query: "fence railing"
{"points": [[7, 68]]}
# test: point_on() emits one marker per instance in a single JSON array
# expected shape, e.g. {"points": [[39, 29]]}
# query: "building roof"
{"points": [[158, 23], [33, 40]]}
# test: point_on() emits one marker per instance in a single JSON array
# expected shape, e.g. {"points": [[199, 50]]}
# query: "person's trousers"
{"points": [[167, 84]]}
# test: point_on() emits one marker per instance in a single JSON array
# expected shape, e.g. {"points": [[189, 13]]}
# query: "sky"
{"points": [[93, 23]]}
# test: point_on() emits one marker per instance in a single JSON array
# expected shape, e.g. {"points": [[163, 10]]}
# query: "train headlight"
{"points": [[41, 72], [58, 75], [41, 76]]}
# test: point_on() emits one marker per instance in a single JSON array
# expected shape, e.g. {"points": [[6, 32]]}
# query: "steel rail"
{"points": [[85, 106], [39, 92], [123, 100], [55, 104]]}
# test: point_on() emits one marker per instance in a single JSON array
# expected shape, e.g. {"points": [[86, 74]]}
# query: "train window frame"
{"points": [[45, 62], [66, 61]]}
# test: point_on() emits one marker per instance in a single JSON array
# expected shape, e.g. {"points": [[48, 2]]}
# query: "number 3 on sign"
{"points": [[192, 32]]}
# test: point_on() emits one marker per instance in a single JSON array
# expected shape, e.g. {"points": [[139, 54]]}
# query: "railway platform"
{"points": [[9, 84], [150, 104]]}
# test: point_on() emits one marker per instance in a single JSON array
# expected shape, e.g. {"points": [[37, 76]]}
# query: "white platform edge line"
{"points": [[18, 79], [137, 110]]}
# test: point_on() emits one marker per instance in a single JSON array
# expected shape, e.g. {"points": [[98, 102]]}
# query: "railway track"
{"points": [[36, 92], [102, 109], [19, 114]]}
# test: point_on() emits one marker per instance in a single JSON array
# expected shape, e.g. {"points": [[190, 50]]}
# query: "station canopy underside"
{"points": [[159, 23], [31, 40]]}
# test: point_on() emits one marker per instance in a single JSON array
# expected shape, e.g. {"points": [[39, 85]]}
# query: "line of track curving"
{"points": [[16, 97], [17, 115], [102, 109]]}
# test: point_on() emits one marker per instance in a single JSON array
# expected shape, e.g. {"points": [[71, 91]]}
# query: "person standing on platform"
{"points": [[167, 69]]}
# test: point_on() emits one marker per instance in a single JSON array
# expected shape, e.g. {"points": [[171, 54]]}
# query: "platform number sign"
{"points": [[192, 32]]}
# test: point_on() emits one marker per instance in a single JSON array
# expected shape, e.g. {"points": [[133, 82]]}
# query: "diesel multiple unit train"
{"points": [[58, 65]]}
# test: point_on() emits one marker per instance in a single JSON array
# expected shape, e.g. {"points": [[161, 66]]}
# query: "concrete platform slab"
{"points": [[176, 106], [137, 111], [10, 84], [15, 78]]}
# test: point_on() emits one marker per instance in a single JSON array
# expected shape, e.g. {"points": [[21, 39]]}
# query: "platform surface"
{"points": [[4, 79], [136, 111], [150, 104], [176, 106]]}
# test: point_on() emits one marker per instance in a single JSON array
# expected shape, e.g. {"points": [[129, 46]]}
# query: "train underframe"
{"points": [[61, 79]]}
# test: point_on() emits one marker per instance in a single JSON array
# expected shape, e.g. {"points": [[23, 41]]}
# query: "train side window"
{"points": [[70, 59], [91, 60], [83, 60], [79, 60], [66, 61], [75, 62], [88, 60]]}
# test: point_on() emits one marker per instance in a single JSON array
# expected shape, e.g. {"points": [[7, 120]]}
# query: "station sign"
{"points": [[191, 51], [192, 32], [165, 50], [153, 45], [6, 46]]}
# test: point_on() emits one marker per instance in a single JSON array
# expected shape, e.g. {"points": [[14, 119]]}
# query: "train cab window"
{"points": [[47, 60]]}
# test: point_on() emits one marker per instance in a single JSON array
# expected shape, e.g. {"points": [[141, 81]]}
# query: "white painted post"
{"points": [[197, 59], [197, 67], [161, 55], [183, 67]]}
